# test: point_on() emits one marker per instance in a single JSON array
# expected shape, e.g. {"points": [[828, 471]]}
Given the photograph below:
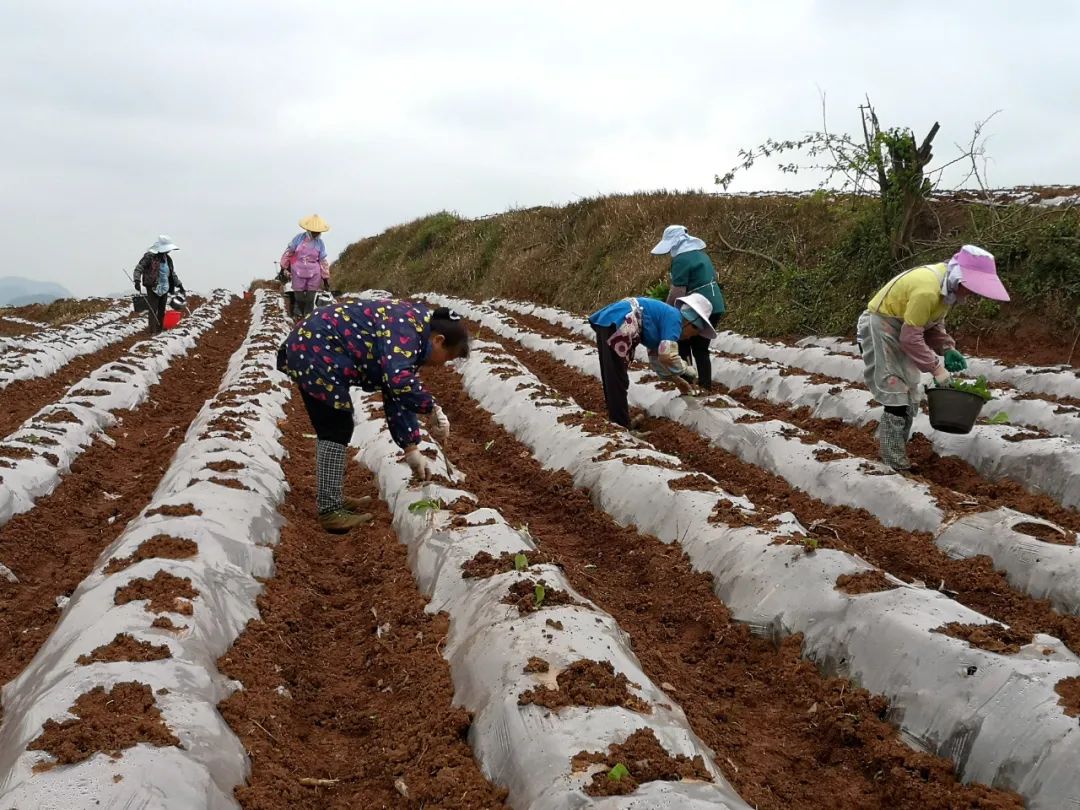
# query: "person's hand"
{"points": [[418, 463], [138, 287], [439, 426], [954, 361], [942, 378]]}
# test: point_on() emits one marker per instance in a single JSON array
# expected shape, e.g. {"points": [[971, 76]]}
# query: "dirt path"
{"points": [[327, 694], [52, 547], [23, 398], [784, 736], [908, 555]]}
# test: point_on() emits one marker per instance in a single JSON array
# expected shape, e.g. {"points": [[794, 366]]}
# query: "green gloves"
{"points": [[954, 361]]}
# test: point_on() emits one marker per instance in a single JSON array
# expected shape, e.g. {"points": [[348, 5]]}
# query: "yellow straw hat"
{"points": [[315, 224]]}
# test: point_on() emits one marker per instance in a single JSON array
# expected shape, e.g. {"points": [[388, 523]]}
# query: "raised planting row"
{"points": [[563, 715], [997, 716], [33, 458], [47, 352], [1056, 381], [1046, 459], [118, 707], [1043, 569]]}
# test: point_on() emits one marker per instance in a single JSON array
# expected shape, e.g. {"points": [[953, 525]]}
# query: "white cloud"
{"points": [[222, 123]]}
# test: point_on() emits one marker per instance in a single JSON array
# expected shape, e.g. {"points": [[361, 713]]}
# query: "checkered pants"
{"points": [[329, 475]]}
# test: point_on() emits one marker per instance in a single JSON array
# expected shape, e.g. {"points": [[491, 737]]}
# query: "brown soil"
{"points": [[325, 696], [1069, 690], [907, 555], [793, 735], [126, 648], [696, 481], [523, 595], [226, 465], [165, 623], [179, 510], [77, 519], [1045, 533], [229, 483], [484, 565], [107, 723], [158, 546], [24, 398], [645, 759], [164, 593], [864, 582], [991, 637], [537, 665], [59, 416], [586, 683]]}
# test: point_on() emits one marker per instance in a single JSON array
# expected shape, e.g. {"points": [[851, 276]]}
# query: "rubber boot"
{"points": [[892, 440], [334, 514], [356, 504]]}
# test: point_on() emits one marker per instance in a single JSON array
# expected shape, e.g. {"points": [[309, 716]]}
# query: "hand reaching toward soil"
{"points": [[418, 463]]}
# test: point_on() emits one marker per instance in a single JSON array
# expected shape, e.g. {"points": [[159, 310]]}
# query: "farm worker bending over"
{"points": [[375, 345], [902, 333], [155, 271], [305, 260], [621, 326], [692, 271]]}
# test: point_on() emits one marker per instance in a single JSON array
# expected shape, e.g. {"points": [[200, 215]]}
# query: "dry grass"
{"points": [[61, 311]]}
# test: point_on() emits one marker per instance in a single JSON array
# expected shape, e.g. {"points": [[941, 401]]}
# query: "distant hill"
{"points": [[16, 291]]}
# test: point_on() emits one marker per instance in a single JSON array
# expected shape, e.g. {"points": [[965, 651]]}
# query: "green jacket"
{"points": [[694, 271]]}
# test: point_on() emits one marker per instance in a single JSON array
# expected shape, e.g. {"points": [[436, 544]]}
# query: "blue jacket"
{"points": [[659, 321]]}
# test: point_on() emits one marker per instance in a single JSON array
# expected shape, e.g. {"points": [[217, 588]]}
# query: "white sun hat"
{"points": [[163, 245], [676, 238], [696, 308]]}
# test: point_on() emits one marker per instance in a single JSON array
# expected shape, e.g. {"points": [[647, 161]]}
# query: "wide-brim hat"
{"points": [[978, 273], [673, 235], [163, 245], [702, 311], [314, 224]]}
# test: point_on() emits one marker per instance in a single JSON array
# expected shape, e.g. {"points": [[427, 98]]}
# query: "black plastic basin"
{"points": [[953, 411]]}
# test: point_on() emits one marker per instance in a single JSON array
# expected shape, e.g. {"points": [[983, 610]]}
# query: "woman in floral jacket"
{"points": [[374, 345]]}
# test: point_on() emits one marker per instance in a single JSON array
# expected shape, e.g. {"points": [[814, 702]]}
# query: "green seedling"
{"points": [[810, 543], [538, 596], [618, 772], [521, 562], [489, 445], [425, 505], [1000, 418], [979, 388]]}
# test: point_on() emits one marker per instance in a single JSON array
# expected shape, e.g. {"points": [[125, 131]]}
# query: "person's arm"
{"points": [[324, 265], [917, 314], [938, 339], [140, 269], [680, 280], [174, 280], [665, 360], [404, 394], [285, 261]]}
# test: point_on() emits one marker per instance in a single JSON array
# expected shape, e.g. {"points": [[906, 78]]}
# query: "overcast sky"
{"points": [[221, 123]]}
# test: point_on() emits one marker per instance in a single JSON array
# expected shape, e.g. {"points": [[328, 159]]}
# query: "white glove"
{"points": [[439, 426], [941, 375], [418, 463]]}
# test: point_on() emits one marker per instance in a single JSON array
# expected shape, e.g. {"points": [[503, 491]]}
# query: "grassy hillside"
{"points": [[790, 265]]}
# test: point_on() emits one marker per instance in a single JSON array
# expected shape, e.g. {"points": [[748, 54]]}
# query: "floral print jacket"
{"points": [[375, 345]]}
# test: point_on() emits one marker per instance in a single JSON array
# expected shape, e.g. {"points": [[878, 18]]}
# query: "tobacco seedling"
{"points": [[979, 388], [618, 772], [539, 593], [1000, 418], [425, 505], [521, 562]]}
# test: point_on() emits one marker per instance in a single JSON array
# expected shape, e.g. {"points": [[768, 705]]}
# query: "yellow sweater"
{"points": [[915, 296]]}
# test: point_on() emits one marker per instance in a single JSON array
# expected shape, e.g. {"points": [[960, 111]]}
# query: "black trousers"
{"points": [[155, 316], [698, 348], [331, 424], [614, 377]]}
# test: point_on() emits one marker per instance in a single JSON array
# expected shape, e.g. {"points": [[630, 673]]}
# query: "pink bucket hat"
{"points": [[978, 273]]}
